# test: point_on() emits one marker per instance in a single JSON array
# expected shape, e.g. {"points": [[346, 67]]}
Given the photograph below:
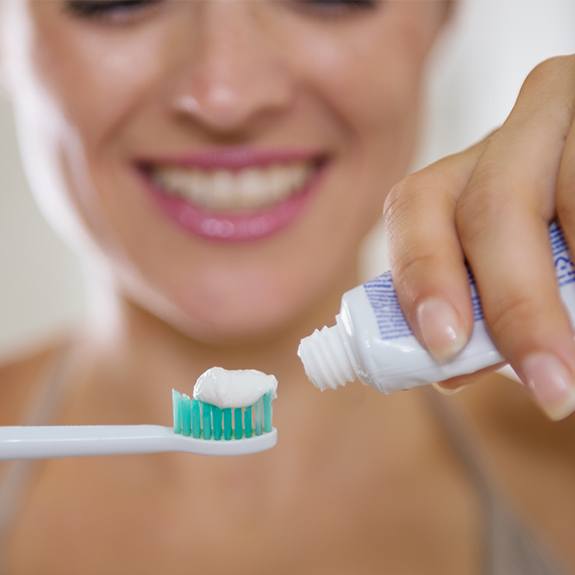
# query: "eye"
{"points": [[113, 10], [350, 3], [339, 6]]}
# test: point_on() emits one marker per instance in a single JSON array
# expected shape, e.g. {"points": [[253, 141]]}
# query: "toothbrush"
{"points": [[198, 428]]}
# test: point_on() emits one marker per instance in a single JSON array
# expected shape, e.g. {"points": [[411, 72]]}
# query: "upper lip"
{"points": [[234, 159]]}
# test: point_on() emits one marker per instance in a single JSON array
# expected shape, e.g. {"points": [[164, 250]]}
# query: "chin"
{"points": [[229, 317], [238, 327]]}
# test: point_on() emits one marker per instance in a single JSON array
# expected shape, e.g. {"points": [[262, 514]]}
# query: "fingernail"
{"points": [[447, 391], [551, 384], [440, 328]]}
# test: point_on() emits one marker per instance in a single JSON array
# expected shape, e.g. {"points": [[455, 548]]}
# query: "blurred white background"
{"points": [[477, 71]]}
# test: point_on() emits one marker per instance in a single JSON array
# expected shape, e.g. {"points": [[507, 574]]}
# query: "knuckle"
{"points": [[398, 209], [394, 203], [407, 196], [509, 312], [409, 270], [553, 80], [565, 196], [481, 204], [548, 68], [565, 205], [399, 200]]}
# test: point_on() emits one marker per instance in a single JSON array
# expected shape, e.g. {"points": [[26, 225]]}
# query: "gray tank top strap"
{"points": [[17, 479], [508, 546]]}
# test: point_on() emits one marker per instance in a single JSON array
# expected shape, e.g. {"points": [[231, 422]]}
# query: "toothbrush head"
{"points": [[248, 425]]}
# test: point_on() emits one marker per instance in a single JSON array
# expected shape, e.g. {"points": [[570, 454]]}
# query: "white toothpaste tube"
{"points": [[372, 341]]}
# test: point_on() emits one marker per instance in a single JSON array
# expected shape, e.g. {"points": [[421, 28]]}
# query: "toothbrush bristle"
{"points": [[176, 411], [196, 419], [205, 421]]}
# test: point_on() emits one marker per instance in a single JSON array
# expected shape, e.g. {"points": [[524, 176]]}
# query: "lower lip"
{"points": [[234, 227]]}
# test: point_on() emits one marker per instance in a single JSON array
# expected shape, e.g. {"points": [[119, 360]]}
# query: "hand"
{"points": [[491, 205]]}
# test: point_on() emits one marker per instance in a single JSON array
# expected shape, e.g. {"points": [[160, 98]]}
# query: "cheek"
{"points": [[370, 76], [371, 84], [75, 95], [93, 80], [381, 115]]}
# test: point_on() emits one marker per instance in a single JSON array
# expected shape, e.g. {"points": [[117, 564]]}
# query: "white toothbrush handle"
{"points": [[68, 441]]}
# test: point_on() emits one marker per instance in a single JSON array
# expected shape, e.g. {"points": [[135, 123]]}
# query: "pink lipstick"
{"points": [[259, 193]]}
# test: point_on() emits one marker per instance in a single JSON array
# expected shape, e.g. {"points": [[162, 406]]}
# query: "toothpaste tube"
{"points": [[372, 341]]}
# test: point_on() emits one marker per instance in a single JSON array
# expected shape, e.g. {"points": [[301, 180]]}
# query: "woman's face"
{"points": [[227, 156]]}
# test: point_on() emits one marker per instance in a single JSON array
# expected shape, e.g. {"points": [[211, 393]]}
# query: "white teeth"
{"points": [[226, 190], [222, 190]]}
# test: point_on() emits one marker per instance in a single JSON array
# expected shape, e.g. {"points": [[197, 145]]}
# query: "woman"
{"points": [[219, 163]]}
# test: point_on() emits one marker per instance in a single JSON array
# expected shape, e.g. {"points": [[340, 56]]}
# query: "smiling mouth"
{"points": [[227, 191], [234, 196]]}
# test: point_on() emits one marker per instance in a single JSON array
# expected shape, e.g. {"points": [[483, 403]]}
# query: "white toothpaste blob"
{"points": [[234, 388]]}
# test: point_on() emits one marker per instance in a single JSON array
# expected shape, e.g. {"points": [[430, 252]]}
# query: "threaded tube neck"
{"points": [[325, 358]]}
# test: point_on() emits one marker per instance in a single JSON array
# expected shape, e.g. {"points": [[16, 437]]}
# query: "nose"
{"points": [[232, 75]]}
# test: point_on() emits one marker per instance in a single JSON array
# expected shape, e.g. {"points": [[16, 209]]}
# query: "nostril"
{"points": [[218, 109], [218, 102], [232, 101]]}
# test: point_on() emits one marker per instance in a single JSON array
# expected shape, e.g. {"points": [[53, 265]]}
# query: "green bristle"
{"points": [[267, 412], [217, 416], [181, 412], [238, 423], [176, 411], [206, 420], [227, 423], [186, 413], [196, 419], [248, 430], [258, 416]]}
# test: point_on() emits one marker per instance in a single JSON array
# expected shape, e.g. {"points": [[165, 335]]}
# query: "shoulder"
{"points": [[21, 377]]}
